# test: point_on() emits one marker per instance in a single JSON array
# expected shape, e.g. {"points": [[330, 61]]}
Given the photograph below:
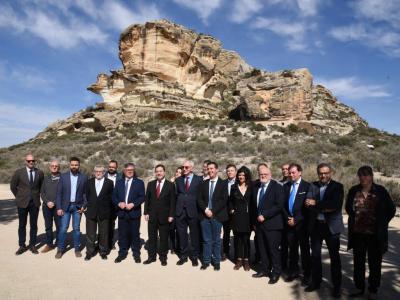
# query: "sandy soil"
{"points": [[41, 276]]}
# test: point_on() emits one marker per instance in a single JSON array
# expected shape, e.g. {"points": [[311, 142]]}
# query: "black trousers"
{"points": [[363, 244], [50, 215], [268, 245], [241, 241], [320, 233], [173, 236], [111, 231], [155, 229], [91, 235], [299, 237], [33, 211], [226, 236], [183, 222], [128, 235]]}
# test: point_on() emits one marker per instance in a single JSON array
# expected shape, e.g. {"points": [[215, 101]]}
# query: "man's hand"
{"points": [[310, 202], [170, 219], [260, 218], [50, 204], [122, 205], [60, 212], [129, 206], [146, 218], [291, 221], [81, 210], [208, 212], [232, 211]]}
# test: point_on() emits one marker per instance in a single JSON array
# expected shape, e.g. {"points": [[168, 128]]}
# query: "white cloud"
{"points": [[243, 10], [293, 31], [203, 8], [378, 10], [308, 7], [353, 89]]}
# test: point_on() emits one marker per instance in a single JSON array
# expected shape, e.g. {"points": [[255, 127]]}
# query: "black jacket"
{"points": [[187, 199], [219, 200], [163, 207], [99, 206], [241, 206], [385, 211]]}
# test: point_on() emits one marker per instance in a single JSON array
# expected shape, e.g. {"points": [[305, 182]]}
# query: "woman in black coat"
{"points": [[239, 202], [370, 210]]}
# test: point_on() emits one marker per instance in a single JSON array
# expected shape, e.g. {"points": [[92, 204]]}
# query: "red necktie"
{"points": [[187, 184], [158, 190]]}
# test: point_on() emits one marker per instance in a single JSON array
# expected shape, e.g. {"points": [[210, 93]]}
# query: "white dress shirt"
{"points": [[161, 184], [129, 180], [99, 185], [259, 190], [29, 173]]}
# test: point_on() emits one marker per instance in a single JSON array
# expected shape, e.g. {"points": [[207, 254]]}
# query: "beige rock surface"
{"points": [[43, 277]]}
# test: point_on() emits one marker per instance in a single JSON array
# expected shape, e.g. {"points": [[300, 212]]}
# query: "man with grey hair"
{"points": [[48, 194], [99, 192]]}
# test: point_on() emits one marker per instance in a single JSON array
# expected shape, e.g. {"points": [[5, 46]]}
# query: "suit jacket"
{"points": [[272, 208], [300, 212], [64, 191], [136, 196], [22, 189], [187, 199], [99, 206], [240, 204], [333, 199], [163, 207], [219, 200], [385, 211]]}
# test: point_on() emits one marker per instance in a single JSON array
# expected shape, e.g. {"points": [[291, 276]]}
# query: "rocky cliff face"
{"points": [[171, 72]]}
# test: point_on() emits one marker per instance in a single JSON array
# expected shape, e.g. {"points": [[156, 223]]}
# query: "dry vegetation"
{"points": [[243, 143]]}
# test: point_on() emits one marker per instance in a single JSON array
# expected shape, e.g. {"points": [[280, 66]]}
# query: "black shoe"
{"points": [[164, 262], [259, 275], [59, 254], [311, 288], [103, 256], [181, 261], [306, 281], [137, 259], [356, 293], [195, 262], [21, 250], [119, 259], [217, 267], [33, 249], [274, 279], [224, 257], [204, 266], [149, 261], [88, 257], [336, 293], [291, 277]]}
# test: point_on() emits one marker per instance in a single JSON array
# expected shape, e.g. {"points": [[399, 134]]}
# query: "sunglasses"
{"points": [[30, 161]]}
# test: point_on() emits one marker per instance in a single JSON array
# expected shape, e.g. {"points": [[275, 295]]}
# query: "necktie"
{"points": [[126, 190], [31, 177], [322, 192], [261, 198], [292, 197], [187, 184], [158, 189], [211, 194]]}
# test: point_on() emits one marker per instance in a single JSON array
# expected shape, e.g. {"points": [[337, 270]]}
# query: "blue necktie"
{"points": [[292, 197], [211, 194], [261, 198]]}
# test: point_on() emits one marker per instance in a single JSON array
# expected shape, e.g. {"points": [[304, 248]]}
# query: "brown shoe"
{"points": [[78, 253], [238, 264], [47, 248], [246, 265], [59, 254]]}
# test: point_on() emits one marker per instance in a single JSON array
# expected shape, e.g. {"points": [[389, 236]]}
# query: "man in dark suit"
{"points": [[325, 202], [266, 217], [159, 211], [70, 202], [99, 191], [113, 175], [128, 197], [25, 185], [186, 213], [230, 180], [296, 216], [212, 202]]}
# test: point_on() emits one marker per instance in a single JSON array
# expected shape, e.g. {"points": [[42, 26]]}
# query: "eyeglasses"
{"points": [[30, 160], [54, 166], [186, 167], [129, 170]]}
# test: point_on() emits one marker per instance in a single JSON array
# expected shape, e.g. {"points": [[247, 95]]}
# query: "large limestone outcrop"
{"points": [[170, 71]]}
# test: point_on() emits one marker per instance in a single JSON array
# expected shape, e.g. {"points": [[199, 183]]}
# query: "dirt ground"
{"points": [[41, 276]]}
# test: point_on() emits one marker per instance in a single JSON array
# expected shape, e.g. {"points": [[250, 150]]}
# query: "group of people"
{"points": [[290, 217]]}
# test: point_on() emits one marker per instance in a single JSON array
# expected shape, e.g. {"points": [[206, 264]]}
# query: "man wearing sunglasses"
{"points": [[25, 185]]}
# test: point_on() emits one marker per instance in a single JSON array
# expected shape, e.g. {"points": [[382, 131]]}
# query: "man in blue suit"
{"points": [[71, 202], [187, 190], [128, 197]]}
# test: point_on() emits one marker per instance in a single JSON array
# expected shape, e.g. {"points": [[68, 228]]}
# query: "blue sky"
{"points": [[51, 50]]}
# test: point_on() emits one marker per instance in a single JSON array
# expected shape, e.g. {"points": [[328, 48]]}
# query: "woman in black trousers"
{"points": [[370, 210], [239, 202]]}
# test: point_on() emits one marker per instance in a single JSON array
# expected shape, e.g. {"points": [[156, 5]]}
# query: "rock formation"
{"points": [[171, 72]]}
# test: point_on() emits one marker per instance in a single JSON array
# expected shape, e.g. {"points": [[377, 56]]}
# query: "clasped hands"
{"points": [[310, 202], [208, 213], [123, 205]]}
